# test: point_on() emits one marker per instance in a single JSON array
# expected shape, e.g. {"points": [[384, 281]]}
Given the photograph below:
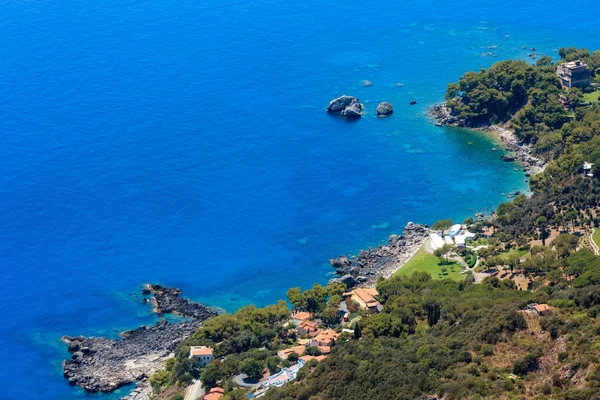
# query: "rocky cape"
{"points": [[100, 364], [381, 261], [518, 151]]}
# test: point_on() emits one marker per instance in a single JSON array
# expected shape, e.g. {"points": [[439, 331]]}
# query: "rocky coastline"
{"points": [[381, 261], [100, 364], [519, 152]]}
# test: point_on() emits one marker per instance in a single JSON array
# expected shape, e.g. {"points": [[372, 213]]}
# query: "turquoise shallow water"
{"points": [[186, 143]]}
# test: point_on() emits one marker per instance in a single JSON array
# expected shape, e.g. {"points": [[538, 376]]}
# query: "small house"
{"points": [[539, 309], [364, 298], [299, 317], [285, 353], [202, 354], [307, 327], [214, 394]]}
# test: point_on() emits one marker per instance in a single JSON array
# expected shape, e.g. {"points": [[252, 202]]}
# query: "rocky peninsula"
{"points": [[381, 261], [100, 364], [519, 152]]}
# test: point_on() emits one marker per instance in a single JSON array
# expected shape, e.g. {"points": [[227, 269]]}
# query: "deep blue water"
{"points": [[186, 143]]}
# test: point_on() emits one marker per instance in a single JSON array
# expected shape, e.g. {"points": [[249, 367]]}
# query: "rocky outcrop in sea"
{"points": [[384, 109], [100, 364], [346, 106], [381, 261], [519, 152]]}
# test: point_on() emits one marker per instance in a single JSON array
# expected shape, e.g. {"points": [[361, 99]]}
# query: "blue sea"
{"points": [[185, 142]]}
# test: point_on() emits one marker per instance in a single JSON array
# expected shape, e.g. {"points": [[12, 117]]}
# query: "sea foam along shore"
{"points": [[520, 152]]}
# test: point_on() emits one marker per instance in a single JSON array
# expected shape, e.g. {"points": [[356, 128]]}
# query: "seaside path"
{"points": [[194, 391]]}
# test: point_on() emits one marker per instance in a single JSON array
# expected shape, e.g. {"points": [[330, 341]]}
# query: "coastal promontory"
{"points": [[100, 364]]}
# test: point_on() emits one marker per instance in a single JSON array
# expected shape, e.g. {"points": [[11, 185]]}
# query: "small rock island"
{"points": [[384, 109], [346, 106]]}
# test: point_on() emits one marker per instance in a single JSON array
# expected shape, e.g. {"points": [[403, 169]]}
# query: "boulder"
{"points": [[348, 280], [508, 158], [354, 110], [384, 109], [346, 106]]}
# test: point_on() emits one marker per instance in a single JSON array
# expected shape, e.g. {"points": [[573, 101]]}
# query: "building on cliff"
{"points": [[202, 354], [574, 74], [364, 297]]}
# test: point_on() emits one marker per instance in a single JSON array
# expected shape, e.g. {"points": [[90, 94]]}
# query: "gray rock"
{"points": [[102, 365], [384, 109], [508, 158], [348, 280], [346, 106]]}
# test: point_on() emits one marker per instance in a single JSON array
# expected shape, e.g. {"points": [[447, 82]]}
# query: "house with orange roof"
{"points": [[308, 328], [365, 299], [202, 354], [214, 394], [324, 340], [285, 353], [308, 358], [299, 317], [539, 309]]}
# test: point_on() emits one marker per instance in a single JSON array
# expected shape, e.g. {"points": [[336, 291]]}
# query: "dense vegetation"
{"points": [[439, 337], [463, 341]]}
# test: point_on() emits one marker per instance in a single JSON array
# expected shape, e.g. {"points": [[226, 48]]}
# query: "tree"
{"points": [[295, 297], [442, 225], [312, 351], [544, 61], [272, 364], [211, 374], [357, 331], [571, 216], [252, 368], [443, 252], [293, 357], [541, 222]]}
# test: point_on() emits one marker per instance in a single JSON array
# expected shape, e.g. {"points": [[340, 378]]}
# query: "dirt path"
{"points": [[194, 391]]}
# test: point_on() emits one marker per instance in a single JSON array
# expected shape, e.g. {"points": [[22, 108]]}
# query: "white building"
{"points": [[454, 230], [202, 354], [587, 169], [436, 241]]}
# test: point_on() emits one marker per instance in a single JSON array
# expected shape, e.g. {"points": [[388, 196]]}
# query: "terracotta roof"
{"points": [[327, 336], [214, 394], [301, 316], [325, 349], [541, 308], [308, 358], [285, 353], [308, 325], [366, 295], [201, 351]]}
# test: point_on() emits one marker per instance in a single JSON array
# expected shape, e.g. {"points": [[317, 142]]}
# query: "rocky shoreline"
{"points": [[381, 261], [100, 364], [518, 151]]}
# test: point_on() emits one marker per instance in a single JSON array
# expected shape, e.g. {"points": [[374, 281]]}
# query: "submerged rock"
{"points": [[346, 106], [384, 109]]}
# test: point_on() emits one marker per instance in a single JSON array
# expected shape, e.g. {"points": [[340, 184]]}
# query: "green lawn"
{"points": [[596, 237], [591, 97], [423, 261], [520, 253]]}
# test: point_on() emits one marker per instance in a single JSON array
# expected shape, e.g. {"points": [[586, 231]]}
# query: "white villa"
{"points": [[457, 236]]}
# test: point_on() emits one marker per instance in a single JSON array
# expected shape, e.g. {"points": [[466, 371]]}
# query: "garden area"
{"points": [[591, 97], [425, 262]]}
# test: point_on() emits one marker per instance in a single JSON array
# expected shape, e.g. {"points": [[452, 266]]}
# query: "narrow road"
{"points": [[194, 391], [594, 245]]}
